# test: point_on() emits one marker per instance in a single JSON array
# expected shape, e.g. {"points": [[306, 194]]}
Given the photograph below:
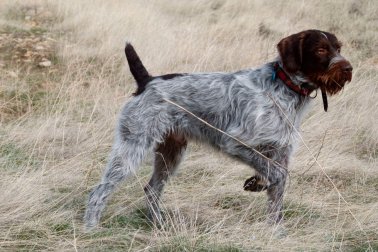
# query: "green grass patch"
{"points": [[365, 147], [30, 234], [16, 30], [359, 241], [300, 213], [364, 247], [13, 157], [63, 228], [183, 244], [240, 205], [20, 31], [135, 220], [112, 240], [15, 13], [234, 202], [19, 102], [372, 182], [38, 30]]}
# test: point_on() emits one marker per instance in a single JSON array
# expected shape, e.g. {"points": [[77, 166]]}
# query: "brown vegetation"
{"points": [[57, 123]]}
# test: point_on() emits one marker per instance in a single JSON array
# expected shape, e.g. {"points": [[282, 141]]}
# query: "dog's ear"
{"points": [[290, 50]]}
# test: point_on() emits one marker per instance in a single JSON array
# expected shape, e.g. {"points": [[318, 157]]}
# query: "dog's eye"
{"points": [[321, 51], [338, 50]]}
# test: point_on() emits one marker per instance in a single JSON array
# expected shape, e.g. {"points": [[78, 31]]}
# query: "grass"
{"points": [[57, 127], [365, 148], [13, 158], [234, 202], [135, 220], [182, 245]]}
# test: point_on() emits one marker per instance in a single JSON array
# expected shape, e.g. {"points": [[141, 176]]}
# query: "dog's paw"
{"points": [[255, 184]]}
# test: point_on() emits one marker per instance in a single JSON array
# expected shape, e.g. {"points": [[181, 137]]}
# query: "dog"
{"points": [[252, 115]]}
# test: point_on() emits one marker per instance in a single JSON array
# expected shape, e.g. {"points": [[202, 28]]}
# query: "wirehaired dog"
{"points": [[252, 115]]}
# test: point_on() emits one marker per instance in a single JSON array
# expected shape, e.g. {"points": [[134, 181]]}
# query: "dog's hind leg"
{"points": [[167, 158], [141, 126], [125, 157]]}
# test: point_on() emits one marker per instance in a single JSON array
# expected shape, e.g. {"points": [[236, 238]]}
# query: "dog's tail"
{"points": [[137, 68]]}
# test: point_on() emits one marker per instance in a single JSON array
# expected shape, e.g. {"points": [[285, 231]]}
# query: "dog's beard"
{"points": [[334, 80]]}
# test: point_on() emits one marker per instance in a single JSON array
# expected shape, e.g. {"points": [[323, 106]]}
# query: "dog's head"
{"points": [[316, 54]]}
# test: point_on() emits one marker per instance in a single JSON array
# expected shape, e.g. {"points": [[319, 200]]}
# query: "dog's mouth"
{"points": [[336, 77]]}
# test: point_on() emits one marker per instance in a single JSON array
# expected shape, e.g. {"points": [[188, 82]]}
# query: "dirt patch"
{"points": [[26, 38], [28, 61]]}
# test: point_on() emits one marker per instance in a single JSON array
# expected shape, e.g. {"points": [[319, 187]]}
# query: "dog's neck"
{"points": [[296, 82], [298, 78]]}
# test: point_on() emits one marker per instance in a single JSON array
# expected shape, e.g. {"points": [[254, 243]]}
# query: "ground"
{"points": [[63, 79]]}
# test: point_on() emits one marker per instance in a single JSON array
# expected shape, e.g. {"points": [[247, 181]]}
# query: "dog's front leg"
{"points": [[271, 165], [275, 199]]}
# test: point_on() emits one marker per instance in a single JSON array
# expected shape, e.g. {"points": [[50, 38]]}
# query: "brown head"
{"points": [[316, 54]]}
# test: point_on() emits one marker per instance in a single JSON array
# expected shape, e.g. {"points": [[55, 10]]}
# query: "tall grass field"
{"points": [[64, 78]]}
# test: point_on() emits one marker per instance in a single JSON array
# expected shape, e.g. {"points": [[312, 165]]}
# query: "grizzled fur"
{"points": [[249, 105]]}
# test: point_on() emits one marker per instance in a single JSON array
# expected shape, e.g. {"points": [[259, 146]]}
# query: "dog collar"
{"points": [[304, 89]]}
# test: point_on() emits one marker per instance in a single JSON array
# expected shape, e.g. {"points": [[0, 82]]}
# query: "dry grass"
{"points": [[57, 127]]}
